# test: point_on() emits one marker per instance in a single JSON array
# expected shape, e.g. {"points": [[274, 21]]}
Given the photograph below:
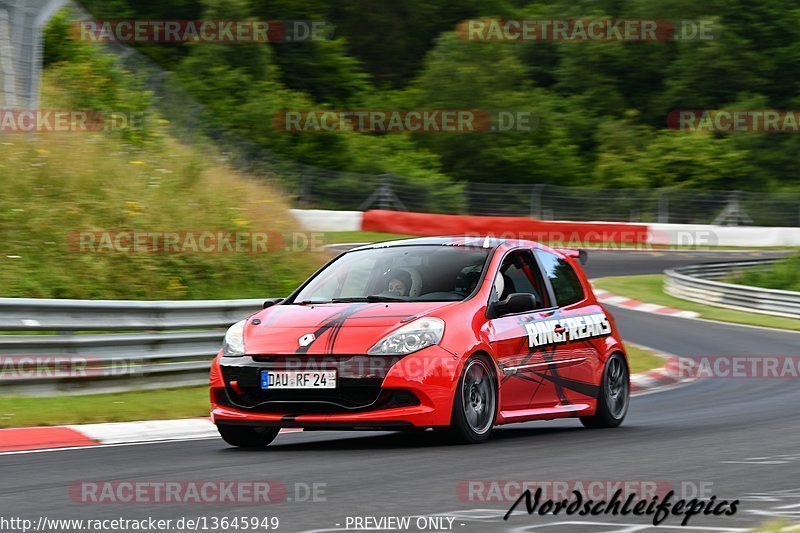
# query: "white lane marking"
{"points": [[779, 330], [769, 460], [754, 462]]}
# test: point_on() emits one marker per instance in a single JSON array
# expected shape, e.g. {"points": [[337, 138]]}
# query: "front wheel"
{"points": [[247, 436], [612, 402], [475, 404]]}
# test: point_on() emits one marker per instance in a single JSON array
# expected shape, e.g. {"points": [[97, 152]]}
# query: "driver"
{"points": [[399, 283]]}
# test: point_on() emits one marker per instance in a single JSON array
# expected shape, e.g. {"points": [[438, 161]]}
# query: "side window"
{"points": [[565, 282], [519, 273]]}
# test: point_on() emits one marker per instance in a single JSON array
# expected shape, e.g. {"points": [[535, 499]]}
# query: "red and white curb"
{"points": [[606, 297], [108, 434], [667, 377]]}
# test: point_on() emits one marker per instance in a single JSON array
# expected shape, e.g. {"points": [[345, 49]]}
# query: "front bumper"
{"points": [[372, 392]]}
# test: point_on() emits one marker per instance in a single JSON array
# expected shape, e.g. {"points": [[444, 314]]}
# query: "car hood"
{"points": [[336, 328]]}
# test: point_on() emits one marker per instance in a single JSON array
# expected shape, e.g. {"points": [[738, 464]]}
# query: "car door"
{"points": [[520, 387], [569, 337]]}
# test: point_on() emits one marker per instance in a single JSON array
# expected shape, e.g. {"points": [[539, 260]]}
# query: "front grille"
{"points": [[355, 390]]}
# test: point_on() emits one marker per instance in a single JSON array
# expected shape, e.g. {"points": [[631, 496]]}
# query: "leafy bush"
{"points": [[783, 275], [81, 76], [601, 107]]}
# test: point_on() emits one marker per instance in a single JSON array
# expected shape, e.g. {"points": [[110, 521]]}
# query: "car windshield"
{"points": [[400, 273]]}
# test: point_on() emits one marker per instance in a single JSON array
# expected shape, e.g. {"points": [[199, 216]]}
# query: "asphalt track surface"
{"points": [[735, 438]]}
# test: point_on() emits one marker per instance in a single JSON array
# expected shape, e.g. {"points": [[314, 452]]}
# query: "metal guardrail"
{"points": [[29, 314], [698, 283], [150, 344]]}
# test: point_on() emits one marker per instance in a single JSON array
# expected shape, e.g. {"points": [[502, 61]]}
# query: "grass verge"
{"points": [[184, 402], [53, 190], [642, 359], [649, 288]]}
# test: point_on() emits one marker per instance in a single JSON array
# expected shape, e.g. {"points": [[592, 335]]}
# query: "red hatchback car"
{"points": [[453, 333]]}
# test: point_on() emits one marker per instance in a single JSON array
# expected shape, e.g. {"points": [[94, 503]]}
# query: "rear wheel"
{"points": [[247, 436], [475, 405], [612, 402]]}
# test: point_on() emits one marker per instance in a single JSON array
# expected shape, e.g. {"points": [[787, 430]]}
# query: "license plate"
{"points": [[294, 379]]}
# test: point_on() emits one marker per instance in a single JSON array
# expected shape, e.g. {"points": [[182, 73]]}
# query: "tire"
{"points": [[475, 403], [614, 396], [247, 436]]}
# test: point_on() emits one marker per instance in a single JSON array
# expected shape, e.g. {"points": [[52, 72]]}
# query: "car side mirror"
{"points": [[518, 302], [273, 301]]}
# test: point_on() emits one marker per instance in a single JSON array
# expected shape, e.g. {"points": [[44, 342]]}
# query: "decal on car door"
{"points": [[557, 331]]}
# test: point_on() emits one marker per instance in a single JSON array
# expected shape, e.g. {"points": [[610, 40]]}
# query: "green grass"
{"points": [[783, 275], [641, 359], [54, 187], [774, 526], [649, 288], [186, 402]]}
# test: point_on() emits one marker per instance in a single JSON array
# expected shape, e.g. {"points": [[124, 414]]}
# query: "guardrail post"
{"points": [[384, 196], [663, 206], [733, 214], [536, 201]]}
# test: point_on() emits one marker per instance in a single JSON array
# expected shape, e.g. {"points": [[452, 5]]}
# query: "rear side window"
{"points": [[563, 278]]}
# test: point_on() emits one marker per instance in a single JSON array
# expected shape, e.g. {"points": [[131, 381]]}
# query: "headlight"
{"points": [[233, 345], [412, 337]]}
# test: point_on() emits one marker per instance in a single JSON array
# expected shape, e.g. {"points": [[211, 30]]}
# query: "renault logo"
{"points": [[307, 339]]}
